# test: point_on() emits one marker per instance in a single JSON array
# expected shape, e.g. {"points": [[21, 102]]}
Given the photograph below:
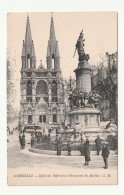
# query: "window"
{"points": [[53, 65], [40, 118], [44, 118], [54, 88], [54, 91], [29, 99], [29, 88], [30, 119], [37, 99], [54, 118], [28, 61], [54, 99], [42, 88]]}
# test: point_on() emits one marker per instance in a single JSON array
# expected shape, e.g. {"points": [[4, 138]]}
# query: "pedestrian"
{"points": [[69, 148], [98, 141], [59, 145], [23, 141], [87, 152], [38, 138], [12, 132], [9, 131], [105, 154], [82, 149], [20, 141]]}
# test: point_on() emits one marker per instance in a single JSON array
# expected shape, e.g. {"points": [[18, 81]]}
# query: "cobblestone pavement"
{"points": [[23, 158]]}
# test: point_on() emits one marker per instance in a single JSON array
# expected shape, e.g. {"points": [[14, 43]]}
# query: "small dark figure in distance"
{"points": [[20, 141], [105, 155], [23, 141], [82, 149], [59, 145], [69, 148], [87, 152], [98, 141]]}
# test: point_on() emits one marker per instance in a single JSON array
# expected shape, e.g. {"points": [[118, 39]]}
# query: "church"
{"points": [[42, 89]]}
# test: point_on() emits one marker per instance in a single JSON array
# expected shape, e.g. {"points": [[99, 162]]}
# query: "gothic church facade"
{"points": [[42, 89]]}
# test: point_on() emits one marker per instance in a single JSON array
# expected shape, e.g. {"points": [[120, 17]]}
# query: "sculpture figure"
{"points": [[80, 48]]}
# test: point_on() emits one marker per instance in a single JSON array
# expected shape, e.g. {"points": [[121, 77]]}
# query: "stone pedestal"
{"points": [[87, 122], [83, 78]]}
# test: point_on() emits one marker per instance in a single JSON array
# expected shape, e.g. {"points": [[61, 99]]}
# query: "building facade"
{"points": [[42, 89]]}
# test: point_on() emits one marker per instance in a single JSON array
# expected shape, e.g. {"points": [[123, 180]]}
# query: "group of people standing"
{"points": [[85, 150], [11, 131], [98, 143], [59, 146]]}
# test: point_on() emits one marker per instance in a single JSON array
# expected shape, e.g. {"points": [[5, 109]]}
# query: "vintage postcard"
{"points": [[62, 98]]}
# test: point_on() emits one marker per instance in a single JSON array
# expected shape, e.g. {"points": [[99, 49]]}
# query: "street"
{"points": [[23, 158], [25, 167]]}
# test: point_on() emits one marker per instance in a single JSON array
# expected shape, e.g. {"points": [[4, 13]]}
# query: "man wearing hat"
{"points": [[59, 145], [105, 154]]}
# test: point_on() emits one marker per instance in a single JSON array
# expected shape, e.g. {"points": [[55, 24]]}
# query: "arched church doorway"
{"points": [[42, 116]]}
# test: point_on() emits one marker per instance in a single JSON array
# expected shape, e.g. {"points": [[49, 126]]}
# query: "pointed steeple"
{"points": [[52, 49], [28, 51], [28, 37], [52, 37]]}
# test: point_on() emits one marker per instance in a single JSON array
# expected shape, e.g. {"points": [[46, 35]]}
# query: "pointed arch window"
{"points": [[54, 88], [54, 115], [53, 61], [28, 61], [29, 87], [54, 91]]}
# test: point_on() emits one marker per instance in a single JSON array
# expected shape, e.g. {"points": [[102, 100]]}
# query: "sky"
{"points": [[100, 34]]}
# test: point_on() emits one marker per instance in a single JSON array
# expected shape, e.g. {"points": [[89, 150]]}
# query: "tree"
{"points": [[107, 80], [11, 90]]}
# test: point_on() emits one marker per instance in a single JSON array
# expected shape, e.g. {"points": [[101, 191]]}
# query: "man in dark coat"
{"points": [[59, 145], [87, 152], [20, 141], [105, 154], [23, 141], [98, 141], [82, 149]]}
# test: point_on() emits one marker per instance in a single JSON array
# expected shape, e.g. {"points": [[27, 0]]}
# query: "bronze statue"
{"points": [[80, 48]]}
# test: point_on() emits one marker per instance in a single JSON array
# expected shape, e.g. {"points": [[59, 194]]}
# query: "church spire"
{"points": [[52, 37], [52, 49], [28, 51], [28, 37]]}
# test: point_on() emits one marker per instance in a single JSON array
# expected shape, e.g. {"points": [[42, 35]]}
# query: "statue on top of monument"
{"points": [[80, 48]]}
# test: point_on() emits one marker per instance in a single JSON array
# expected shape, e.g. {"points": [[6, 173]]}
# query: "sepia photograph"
{"points": [[62, 98]]}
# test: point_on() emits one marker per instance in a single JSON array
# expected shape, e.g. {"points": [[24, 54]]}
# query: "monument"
{"points": [[85, 114]]}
